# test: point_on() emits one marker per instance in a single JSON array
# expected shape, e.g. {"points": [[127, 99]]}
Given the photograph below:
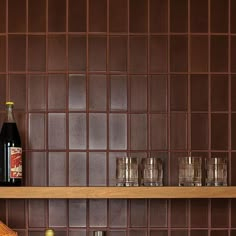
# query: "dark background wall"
{"points": [[96, 79]]}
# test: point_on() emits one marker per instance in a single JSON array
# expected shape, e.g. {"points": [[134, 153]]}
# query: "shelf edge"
{"points": [[116, 192]]}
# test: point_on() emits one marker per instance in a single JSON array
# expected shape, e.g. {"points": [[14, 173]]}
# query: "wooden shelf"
{"points": [[115, 192]]}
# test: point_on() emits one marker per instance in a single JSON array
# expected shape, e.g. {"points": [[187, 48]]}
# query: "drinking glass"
{"points": [[190, 171], [152, 172], [127, 171], [216, 171]]}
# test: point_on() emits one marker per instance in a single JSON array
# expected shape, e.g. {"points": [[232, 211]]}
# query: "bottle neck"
{"points": [[9, 115]]}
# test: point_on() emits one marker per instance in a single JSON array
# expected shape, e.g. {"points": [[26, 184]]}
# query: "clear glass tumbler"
{"points": [[152, 172], [190, 171], [216, 171], [127, 171]]}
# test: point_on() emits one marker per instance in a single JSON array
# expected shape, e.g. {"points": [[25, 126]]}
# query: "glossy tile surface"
{"points": [[93, 80]]}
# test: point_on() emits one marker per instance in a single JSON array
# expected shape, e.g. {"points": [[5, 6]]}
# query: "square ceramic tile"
{"points": [[219, 131], [37, 16], [199, 92], [77, 169], [37, 132], [138, 16], [2, 53], [199, 16], [17, 83], [38, 169], [199, 213], [97, 169], [56, 131], [118, 16], [57, 213], [199, 131], [77, 131], [118, 213], [56, 52], [158, 93], [56, 16], [158, 54], [219, 213], [219, 16], [118, 53], [138, 131], [77, 52], [37, 53], [98, 213], [219, 92], [118, 131], [77, 15], [77, 212], [158, 16], [138, 213], [57, 169], [138, 54], [97, 131], [219, 54], [3, 16], [158, 131], [178, 93], [16, 52], [97, 16], [37, 92], [97, 53], [232, 17], [97, 92], [179, 209], [17, 16], [178, 53], [178, 131], [37, 213], [118, 92], [57, 92], [158, 213], [16, 214], [199, 53], [138, 93], [77, 92], [2, 89], [179, 11]]}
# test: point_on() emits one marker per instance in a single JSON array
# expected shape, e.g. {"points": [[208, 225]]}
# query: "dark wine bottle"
{"points": [[10, 150]]}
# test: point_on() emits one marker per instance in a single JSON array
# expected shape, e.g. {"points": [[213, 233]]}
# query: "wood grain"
{"points": [[115, 192]]}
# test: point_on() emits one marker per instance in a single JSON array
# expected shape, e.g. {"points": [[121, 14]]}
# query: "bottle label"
{"points": [[15, 162]]}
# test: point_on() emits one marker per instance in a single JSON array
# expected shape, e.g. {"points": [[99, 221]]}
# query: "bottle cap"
{"points": [[49, 232], [10, 103]]}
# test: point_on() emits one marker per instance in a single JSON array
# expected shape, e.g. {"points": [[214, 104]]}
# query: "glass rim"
{"points": [[216, 160]]}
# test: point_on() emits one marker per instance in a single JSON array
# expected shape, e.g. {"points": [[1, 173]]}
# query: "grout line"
{"points": [[128, 112], [189, 110], [7, 89], [67, 154], [26, 177], [108, 117], [209, 105], [47, 205], [229, 118], [87, 116], [169, 202], [148, 112], [118, 34]]}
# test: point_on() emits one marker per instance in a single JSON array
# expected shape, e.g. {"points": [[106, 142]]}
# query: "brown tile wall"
{"points": [[97, 79]]}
